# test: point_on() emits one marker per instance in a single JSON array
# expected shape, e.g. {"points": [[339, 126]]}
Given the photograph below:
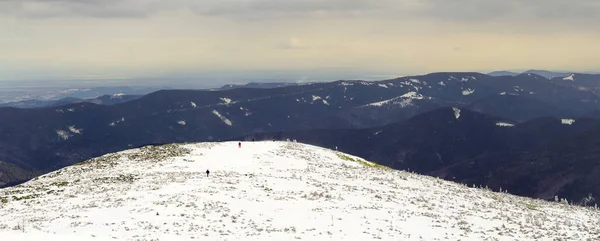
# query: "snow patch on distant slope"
{"points": [[223, 118], [117, 96], [314, 98], [181, 122], [442, 83], [63, 134], [415, 81], [503, 93], [468, 91], [504, 124], [404, 100], [117, 122], [193, 104], [517, 88], [456, 112], [225, 100], [75, 130], [413, 95], [567, 121], [383, 86], [570, 77]]}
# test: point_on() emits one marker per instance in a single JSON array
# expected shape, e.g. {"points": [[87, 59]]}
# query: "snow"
{"points": [[117, 96], [570, 77], [456, 112], [270, 191], [383, 86], [75, 130], [193, 104], [503, 93], [225, 100], [415, 81], [404, 100], [504, 124], [517, 89], [442, 83], [314, 98], [63, 134], [181, 122], [412, 95], [567, 121], [114, 123], [223, 118], [468, 91]]}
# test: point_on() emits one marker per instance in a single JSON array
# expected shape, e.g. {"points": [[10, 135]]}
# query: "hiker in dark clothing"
{"points": [[207, 172], [252, 139], [240, 144]]}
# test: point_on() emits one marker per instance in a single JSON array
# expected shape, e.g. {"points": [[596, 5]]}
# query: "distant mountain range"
{"points": [[46, 96], [259, 85], [102, 100], [414, 114], [547, 74]]}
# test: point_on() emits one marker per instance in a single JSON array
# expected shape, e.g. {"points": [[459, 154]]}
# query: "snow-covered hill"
{"points": [[270, 191]]}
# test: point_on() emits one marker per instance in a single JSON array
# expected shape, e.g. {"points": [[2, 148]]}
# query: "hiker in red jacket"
{"points": [[240, 144]]}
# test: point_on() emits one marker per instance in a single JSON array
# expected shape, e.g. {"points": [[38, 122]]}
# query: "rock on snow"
{"points": [[269, 191]]}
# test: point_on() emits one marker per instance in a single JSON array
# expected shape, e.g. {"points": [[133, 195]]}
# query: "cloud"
{"points": [[568, 12], [149, 37], [79, 8], [293, 43]]}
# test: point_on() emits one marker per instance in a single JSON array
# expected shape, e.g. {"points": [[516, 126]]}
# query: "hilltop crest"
{"points": [[269, 190]]}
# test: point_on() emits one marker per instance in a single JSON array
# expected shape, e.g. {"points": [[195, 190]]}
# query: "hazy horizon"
{"points": [[217, 42]]}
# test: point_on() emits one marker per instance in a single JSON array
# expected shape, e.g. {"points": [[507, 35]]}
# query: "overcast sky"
{"points": [[70, 39]]}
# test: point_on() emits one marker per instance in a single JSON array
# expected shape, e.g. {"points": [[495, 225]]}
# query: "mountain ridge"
{"points": [[46, 139], [163, 192]]}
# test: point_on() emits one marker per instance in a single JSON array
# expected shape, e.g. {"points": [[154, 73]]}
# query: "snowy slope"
{"points": [[269, 191]]}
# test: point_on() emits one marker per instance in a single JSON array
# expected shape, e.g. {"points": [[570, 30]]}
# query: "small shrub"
{"points": [[59, 184], [32, 196]]}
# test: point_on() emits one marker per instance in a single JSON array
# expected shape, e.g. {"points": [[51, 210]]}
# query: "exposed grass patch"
{"points": [[3, 200], [531, 206], [31, 196], [364, 163], [60, 184]]}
